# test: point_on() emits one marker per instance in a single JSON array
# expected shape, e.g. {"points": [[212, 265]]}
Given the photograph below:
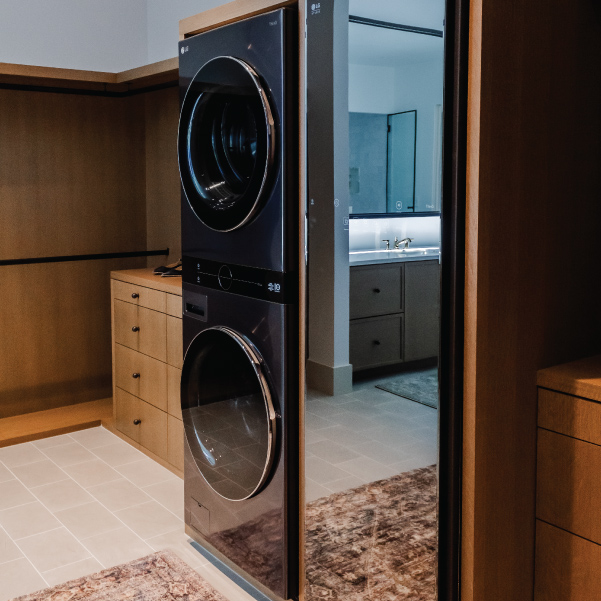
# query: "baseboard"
{"points": [[330, 380]]}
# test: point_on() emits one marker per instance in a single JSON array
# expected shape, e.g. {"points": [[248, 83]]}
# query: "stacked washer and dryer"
{"points": [[238, 160]]}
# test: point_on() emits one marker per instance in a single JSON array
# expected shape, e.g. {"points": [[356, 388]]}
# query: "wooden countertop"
{"points": [[145, 277], [580, 378]]}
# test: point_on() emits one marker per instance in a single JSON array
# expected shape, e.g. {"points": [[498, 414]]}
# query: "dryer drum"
{"points": [[228, 413], [226, 143]]}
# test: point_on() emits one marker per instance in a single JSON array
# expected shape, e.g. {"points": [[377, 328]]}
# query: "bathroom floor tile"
{"points": [[5, 474], [94, 437], [52, 441], [170, 494], [39, 473], [26, 520], [149, 519], [118, 453], [68, 454], [116, 547], [53, 549], [119, 494], [331, 451], [20, 454], [367, 469], [72, 571], [8, 550], [92, 473], [61, 495], [179, 542], [13, 493], [322, 471], [18, 578], [88, 520], [145, 472]]}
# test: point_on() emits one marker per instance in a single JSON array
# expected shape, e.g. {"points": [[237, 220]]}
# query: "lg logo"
{"points": [[316, 8]]}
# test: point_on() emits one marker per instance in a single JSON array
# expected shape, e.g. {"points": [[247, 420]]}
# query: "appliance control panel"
{"points": [[253, 282]]}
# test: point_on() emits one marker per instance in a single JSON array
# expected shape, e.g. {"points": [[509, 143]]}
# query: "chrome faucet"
{"points": [[405, 241], [387, 244]]}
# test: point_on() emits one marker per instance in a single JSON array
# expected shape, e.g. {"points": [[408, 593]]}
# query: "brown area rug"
{"points": [[161, 576], [377, 542]]}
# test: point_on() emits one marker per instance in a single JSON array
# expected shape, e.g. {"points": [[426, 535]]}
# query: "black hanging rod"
{"points": [[388, 25], [94, 257]]}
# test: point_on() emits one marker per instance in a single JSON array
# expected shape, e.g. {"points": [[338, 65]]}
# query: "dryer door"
{"points": [[228, 414], [226, 143]]}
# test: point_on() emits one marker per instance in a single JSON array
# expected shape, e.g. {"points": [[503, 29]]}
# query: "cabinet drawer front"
{"points": [[127, 410], [174, 305], [141, 329], [376, 290], [568, 491], [175, 442], [141, 376], [376, 341], [138, 295], [567, 566], [175, 348], [153, 429], [174, 404], [569, 415]]}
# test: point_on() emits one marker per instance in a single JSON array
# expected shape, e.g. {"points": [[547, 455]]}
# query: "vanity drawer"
{"points": [[142, 422], [376, 290], [174, 305], [175, 442], [174, 404], [141, 329], [141, 376], [568, 491], [175, 348], [376, 341], [141, 296]]}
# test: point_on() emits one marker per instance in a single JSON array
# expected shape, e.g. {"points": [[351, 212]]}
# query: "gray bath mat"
{"points": [[419, 386]]}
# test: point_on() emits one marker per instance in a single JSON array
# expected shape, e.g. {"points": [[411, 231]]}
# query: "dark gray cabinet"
{"points": [[394, 311]]}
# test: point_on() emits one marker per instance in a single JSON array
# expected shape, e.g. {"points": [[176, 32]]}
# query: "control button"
{"points": [[225, 277]]}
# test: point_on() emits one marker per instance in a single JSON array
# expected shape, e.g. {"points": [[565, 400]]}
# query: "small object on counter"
{"points": [[162, 269], [170, 273]]}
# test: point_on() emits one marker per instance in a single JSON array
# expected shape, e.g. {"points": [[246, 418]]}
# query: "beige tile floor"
{"points": [[72, 505]]}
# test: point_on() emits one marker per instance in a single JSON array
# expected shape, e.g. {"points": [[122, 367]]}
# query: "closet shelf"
{"points": [[140, 78]]}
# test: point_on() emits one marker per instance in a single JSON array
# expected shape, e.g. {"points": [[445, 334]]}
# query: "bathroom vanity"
{"points": [[394, 309]]}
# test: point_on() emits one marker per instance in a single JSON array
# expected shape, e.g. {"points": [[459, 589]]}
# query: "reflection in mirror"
{"points": [[371, 422]]}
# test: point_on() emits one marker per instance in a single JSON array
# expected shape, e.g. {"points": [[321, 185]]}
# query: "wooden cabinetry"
{"points": [[394, 311], [568, 495], [147, 361]]}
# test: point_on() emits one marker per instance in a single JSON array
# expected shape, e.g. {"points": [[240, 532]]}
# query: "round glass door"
{"points": [[226, 143], [228, 414]]}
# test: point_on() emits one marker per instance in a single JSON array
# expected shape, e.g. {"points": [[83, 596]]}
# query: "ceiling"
{"points": [[370, 45]]}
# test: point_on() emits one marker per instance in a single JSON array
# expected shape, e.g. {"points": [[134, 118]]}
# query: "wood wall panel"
{"points": [[532, 259], [56, 334], [71, 174], [162, 174]]}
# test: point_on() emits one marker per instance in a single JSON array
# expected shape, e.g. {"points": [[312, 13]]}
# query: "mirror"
{"points": [[395, 118]]}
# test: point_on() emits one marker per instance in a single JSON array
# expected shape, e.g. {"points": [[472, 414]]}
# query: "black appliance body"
{"points": [[238, 142], [239, 389], [238, 158]]}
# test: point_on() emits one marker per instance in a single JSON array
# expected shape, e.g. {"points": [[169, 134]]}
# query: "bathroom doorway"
{"points": [[379, 408]]}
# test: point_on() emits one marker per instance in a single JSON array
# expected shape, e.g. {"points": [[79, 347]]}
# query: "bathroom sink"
{"points": [[394, 254]]}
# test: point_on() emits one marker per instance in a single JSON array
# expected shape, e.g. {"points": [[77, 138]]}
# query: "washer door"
{"points": [[228, 414], [226, 143]]}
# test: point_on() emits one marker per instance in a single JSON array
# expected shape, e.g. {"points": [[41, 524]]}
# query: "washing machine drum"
{"points": [[226, 143], [228, 413]]}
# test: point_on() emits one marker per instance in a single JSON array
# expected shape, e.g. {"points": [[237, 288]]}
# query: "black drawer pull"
{"points": [[135, 329], [377, 342], [137, 422], [135, 295], [135, 376], [377, 290]]}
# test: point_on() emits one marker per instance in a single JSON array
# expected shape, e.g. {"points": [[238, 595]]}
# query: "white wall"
{"points": [[163, 24], [371, 89], [96, 35]]}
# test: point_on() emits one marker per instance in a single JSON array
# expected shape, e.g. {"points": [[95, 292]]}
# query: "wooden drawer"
{"points": [[567, 566], [151, 429], [568, 491], [376, 341], [174, 405], [175, 442], [150, 381], [174, 305], [138, 295], [569, 415], [175, 348], [141, 329], [376, 290]]}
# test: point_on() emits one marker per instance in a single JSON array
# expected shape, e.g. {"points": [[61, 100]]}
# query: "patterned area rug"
{"points": [[377, 542], [419, 386], [159, 577]]}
